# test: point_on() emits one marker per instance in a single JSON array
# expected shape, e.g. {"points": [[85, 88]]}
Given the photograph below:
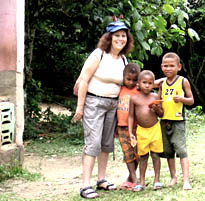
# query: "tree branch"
{"points": [[200, 70]]}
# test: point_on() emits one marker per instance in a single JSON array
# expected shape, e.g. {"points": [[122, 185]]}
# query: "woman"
{"points": [[99, 87]]}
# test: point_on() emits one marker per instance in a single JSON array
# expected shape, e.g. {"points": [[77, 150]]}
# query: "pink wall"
{"points": [[8, 41]]}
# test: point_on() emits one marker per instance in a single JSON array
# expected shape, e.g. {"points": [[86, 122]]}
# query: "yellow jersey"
{"points": [[172, 110]]}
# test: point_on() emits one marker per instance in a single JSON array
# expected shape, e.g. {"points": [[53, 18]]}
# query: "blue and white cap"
{"points": [[116, 26]]}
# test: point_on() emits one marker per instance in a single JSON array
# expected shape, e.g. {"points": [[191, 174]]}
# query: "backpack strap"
{"points": [[123, 58], [102, 55]]}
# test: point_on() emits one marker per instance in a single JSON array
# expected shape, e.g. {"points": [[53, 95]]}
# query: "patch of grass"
{"points": [[14, 172], [165, 194], [56, 144], [195, 121], [69, 143], [11, 197]]}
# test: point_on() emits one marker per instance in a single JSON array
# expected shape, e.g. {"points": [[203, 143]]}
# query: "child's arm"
{"points": [[158, 82], [131, 120], [158, 109], [188, 99]]}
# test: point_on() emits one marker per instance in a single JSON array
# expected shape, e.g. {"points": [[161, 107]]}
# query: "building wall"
{"points": [[12, 59]]}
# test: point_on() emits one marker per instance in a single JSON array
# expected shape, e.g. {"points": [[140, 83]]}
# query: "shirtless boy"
{"points": [[149, 136]]}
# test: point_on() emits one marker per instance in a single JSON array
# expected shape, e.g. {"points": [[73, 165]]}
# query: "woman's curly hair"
{"points": [[105, 43]]}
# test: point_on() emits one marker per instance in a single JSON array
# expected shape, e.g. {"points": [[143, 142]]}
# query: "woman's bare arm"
{"points": [[89, 67], [77, 83]]}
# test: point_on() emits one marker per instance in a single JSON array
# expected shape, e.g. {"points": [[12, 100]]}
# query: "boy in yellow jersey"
{"points": [[175, 92]]}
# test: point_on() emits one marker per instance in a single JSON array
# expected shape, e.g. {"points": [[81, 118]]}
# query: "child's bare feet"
{"points": [[172, 182], [187, 186]]}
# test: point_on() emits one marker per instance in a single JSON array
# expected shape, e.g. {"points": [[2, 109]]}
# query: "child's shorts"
{"points": [[174, 139], [149, 139], [129, 152]]}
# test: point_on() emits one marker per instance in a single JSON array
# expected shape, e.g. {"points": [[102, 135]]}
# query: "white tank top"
{"points": [[108, 77]]}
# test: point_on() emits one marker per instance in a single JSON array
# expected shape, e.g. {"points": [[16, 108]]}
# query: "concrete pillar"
{"points": [[12, 60]]}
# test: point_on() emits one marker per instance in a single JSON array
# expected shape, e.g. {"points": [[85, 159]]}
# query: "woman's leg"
{"points": [[88, 164], [102, 183], [102, 165]]}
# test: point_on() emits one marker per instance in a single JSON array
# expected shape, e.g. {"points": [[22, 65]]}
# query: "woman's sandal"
{"points": [[88, 192], [108, 187]]}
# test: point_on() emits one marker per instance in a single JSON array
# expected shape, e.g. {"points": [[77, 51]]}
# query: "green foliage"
{"points": [[14, 172], [198, 110], [60, 35], [45, 122], [65, 62], [32, 128], [195, 112], [192, 52], [155, 25], [33, 98], [51, 122], [193, 34], [32, 109], [195, 120]]}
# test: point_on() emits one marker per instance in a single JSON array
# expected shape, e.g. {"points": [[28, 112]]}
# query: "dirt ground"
{"points": [[60, 175]]}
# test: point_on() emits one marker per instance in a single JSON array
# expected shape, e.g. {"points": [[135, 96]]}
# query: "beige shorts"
{"points": [[99, 122]]}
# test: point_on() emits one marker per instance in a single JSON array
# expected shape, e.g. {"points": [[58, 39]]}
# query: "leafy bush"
{"points": [[45, 122], [195, 120]]}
